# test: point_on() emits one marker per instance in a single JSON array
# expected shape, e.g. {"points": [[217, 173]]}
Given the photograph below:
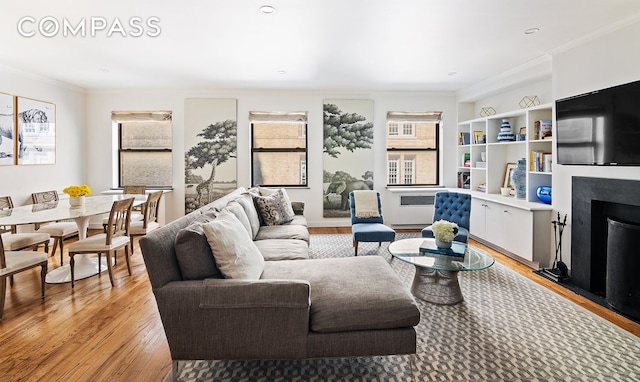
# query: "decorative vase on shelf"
{"points": [[77, 201], [505, 134], [519, 179], [443, 244]]}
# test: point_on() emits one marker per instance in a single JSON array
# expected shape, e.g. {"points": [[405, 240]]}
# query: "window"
{"points": [[408, 171], [279, 149], [413, 148], [144, 148], [393, 171], [393, 128]]}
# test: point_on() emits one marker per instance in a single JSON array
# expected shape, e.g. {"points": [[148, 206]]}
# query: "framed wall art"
{"points": [[508, 182], [7, 129], [36, 132]]}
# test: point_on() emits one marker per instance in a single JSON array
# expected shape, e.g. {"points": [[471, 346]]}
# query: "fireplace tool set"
{"points": [[559, 272]]}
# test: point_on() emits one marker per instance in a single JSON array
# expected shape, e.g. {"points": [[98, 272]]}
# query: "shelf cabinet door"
{"points": [[505, 226], [477, 220], [518, 232]]}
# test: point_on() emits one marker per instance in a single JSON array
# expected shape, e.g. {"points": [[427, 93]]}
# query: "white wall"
{"points": [[20, 181], [600, 63], [99, 133]]}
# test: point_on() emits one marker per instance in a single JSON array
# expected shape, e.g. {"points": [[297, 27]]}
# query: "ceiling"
{"points": [[384, 45]]}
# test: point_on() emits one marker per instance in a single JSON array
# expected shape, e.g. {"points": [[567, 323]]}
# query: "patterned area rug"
{"points": [[508, 328]]}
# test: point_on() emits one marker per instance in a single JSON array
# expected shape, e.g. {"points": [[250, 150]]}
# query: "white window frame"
{"points": [[408, 170], [393, 167]]}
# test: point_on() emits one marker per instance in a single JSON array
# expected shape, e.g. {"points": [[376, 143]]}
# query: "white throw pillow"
{"points": [[235, 254]]}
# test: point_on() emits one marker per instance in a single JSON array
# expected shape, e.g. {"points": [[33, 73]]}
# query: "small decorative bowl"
{"points": [[544, 194]]}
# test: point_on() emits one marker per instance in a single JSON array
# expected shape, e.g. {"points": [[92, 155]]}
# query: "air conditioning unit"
{"points": [[412, 208]]}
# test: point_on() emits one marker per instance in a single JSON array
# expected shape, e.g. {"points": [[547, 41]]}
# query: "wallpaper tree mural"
{"points": [[348, 153], [210, 150]]}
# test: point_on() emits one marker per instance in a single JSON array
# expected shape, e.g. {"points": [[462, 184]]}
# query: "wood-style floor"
{"points": [[99, 333]]}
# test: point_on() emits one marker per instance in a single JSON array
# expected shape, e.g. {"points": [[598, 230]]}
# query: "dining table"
{"points": [[39, 213]]}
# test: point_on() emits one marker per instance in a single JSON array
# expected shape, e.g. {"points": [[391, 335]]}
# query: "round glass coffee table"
{"points": [[436, 278]]}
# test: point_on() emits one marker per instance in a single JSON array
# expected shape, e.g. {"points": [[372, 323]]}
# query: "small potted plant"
{"points": [[77, 194], [444, 231]]}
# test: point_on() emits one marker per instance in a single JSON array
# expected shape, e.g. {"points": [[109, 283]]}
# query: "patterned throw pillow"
{"points": [[274, 209]]}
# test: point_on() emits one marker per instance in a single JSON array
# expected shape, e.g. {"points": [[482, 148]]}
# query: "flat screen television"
{"points": [[600, 127]]}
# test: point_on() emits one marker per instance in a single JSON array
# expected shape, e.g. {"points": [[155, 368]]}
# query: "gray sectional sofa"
{"points": [[296, 307]]}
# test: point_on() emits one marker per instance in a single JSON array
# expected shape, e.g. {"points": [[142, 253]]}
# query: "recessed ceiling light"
{"points": [[532, 30], [282, 72], [267, 9], [103, 70], [452, 73]]}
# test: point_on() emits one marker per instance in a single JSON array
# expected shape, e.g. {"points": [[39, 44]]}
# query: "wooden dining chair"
{"points": [[135, 190], [12, 262], [60, 230], [150, 219], [116, 237], [14, 241], [137, 212]]}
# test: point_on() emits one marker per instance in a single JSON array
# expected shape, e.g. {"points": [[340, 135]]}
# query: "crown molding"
{"points": [[533, 71]]}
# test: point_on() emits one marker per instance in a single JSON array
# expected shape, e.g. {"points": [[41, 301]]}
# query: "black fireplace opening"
{"points": [[594, 202], [601, 211]]}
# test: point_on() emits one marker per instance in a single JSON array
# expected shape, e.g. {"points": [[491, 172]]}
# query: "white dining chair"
{"points": [[12, 262], [150, 220], [115, 237], [60, 230], [14, 241]]}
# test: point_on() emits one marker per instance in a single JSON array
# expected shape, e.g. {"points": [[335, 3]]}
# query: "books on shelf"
{"points": [[480, 164], [542, 129], [464, 179], [539, 161], [482, 187], [465, 160], [464, 138], [458, 249]]}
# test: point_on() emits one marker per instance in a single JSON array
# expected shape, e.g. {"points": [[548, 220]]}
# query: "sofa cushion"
{"points": [[283, 249], [236, 209], [298, 220], [193, 251], [235, 254], [350, 293], [246, 201], [285, 231], [274, 209]]}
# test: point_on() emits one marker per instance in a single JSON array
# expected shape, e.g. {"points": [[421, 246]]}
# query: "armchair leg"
{"points": [[355, 246]]}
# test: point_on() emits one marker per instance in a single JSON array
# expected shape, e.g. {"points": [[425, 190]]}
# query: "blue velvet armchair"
{"points": [[454, 207], [369, 229]]}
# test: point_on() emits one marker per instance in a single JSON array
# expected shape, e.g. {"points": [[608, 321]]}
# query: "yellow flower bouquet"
{"points": [[76, 191]]}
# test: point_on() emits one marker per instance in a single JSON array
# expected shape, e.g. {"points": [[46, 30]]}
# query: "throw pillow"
{"points": [[236, 208], [234, 252], [273, 208], [246, 201], [193, 251]]}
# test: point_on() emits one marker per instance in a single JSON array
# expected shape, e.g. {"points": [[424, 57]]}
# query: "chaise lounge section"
{"points": [[297, 308]]}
